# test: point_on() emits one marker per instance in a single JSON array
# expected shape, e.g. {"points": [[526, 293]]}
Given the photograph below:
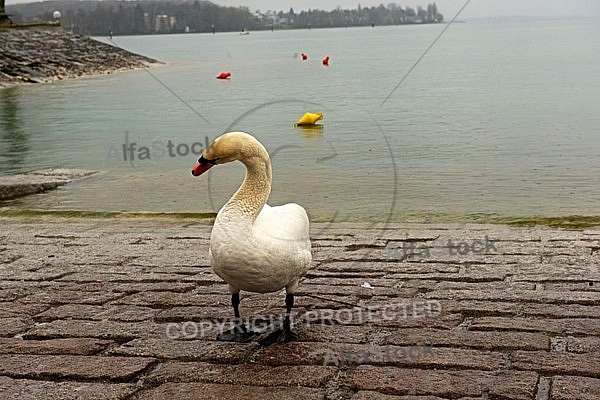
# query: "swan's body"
{"points": [[253, 246], [264, 255]]}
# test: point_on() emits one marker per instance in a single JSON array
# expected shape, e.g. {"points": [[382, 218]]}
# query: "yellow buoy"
{"points": [[309, 119]]}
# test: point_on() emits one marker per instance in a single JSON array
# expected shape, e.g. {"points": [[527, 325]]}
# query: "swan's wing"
{"points": [[284, 223], [285, 230]]}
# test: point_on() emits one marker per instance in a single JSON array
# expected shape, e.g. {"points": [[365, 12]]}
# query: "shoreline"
{"points": [[572, 222], [46, 54], [14, 187]]}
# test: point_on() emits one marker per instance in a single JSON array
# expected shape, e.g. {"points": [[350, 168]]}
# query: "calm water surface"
{"points": [[499, 118]]}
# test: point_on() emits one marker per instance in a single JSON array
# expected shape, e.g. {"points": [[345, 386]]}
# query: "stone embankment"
{"points": [[47, 54], [15, 186]]}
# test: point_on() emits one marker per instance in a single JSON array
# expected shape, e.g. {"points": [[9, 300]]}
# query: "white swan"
{"points": [[253, 246]]}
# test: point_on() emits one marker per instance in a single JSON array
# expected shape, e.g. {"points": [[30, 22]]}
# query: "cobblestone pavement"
{"points": [[128, 308]]}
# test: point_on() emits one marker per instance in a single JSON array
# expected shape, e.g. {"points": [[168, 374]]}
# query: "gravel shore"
{"points": [[48, 54], [128, 308]]}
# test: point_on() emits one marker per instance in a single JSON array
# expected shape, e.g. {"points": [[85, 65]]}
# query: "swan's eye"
{"points": [[203, 160]]}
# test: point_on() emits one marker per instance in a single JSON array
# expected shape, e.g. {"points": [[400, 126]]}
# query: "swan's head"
{"points": [[226, 148]]}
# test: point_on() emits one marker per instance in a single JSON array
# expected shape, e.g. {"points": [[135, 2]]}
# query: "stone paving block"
{"points": [[187, 350], [494, 285], [70, 297], [311, 332], [97, 313], [243, 374], [575, 387], [388, 268], [556, 271], [494, 340], [112, 330], [590, 284], [16, 309], [353, 282], [220, 296], [583, 344], [315, 273], [84, 277], [561, 311], [559, 363], [22, 288], [451, 384], [46, 275], [472, 276], [370, 395], [13, 326], [478, 308], [27, 389], [325, 301], [197, 314], [342, 354], [564, 326], [176, 287], [191, 391], [360, 292], [525, 296], [11, 294], [71, 346], [72, 367]]}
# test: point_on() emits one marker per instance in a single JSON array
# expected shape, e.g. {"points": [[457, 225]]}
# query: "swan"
{"points": [[255, 247]]}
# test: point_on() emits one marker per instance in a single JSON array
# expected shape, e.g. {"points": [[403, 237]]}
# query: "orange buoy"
{"points": [[304, 56], [224, 75], [326, 61]]}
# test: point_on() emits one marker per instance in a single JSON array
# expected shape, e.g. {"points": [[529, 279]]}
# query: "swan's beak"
{"points": [[201, 167]]}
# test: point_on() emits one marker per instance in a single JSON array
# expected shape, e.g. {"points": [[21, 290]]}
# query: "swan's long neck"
{"points": [[252, 195]]}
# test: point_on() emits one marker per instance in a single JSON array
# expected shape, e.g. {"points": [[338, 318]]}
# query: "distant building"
{"points": [[163, 23]]}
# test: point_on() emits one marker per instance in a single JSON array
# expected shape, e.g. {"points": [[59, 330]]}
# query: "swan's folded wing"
{"points": [[286, 227], [287, 222]]}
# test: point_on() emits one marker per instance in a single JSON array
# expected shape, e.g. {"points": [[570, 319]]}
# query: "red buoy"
{"points": [[304, 56], [224, 75], [326, 61]]}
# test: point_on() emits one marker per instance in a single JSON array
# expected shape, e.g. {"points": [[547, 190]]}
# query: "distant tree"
{"points": [[3, 11], [177, 16]]}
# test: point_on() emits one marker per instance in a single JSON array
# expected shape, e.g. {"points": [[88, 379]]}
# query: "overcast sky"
{"points": [[475, 8]]}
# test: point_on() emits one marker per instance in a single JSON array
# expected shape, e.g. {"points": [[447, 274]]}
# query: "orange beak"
{"points": [[202, 166]]}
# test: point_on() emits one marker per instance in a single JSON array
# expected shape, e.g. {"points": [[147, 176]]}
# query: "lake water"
{"points": [[500, 118]]}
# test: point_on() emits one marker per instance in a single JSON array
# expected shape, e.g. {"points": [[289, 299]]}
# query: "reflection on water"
{"points": [[14, 140], [310, 131]]}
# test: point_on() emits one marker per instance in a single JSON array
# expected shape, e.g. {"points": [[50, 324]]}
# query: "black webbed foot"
{"points": [[281, 335], [239, 333]]}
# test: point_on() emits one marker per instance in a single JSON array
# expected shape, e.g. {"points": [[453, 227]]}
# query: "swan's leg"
{"points": [[283, 334], [239, 332]]}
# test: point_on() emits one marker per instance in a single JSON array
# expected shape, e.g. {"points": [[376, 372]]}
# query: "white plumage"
{"points": [[264, 255], [253, 246]]}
